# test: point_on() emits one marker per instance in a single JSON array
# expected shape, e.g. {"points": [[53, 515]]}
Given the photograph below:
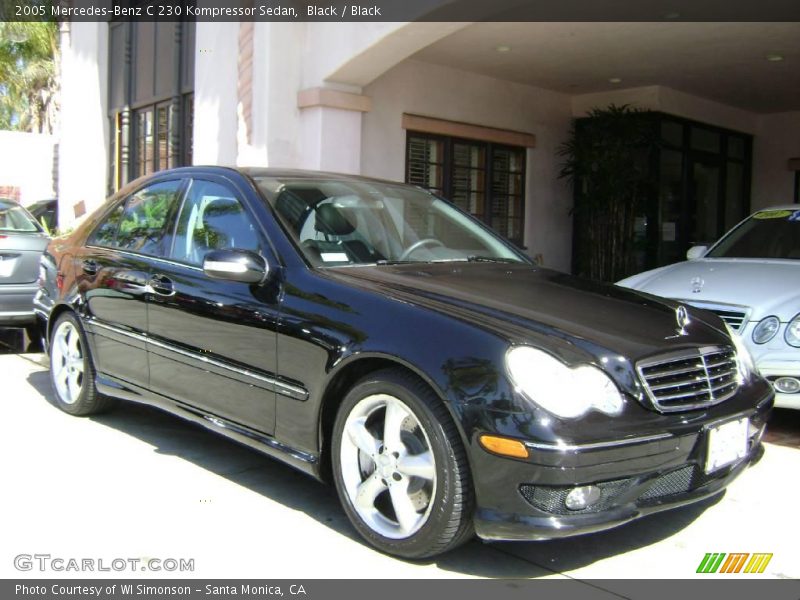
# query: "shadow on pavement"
{"points": [[784, 428], [174, 437], [16, 340]]}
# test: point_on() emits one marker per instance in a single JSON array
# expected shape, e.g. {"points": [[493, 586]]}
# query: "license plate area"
{"points": [[727, 444]]}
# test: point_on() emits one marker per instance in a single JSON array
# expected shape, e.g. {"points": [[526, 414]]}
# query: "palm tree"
{"points": [[29, 60]]}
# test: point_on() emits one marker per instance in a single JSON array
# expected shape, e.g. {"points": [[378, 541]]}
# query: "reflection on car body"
{"points": [[372, 334]]}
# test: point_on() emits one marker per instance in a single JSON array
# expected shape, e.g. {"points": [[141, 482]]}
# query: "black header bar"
{"points": [[401, 10]]}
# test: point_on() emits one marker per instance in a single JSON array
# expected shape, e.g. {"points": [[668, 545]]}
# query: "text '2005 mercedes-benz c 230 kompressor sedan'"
{"points": [[374, 334]]}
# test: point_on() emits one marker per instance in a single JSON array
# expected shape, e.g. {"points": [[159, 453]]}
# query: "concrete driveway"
{"points": [[140, 483]]}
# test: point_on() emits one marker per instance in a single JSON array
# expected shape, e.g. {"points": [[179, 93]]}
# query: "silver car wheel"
{"points": [[67, 365], [387, 465]]}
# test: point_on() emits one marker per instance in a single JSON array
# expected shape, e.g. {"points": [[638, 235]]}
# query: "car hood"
{"points": [[768, 287], [525, 304]]}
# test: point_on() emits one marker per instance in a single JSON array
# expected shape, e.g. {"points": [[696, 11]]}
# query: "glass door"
{"points": [[702, 217]]}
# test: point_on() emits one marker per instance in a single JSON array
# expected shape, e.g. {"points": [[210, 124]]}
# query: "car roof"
{"points": [[778, 207], [277, 173]]}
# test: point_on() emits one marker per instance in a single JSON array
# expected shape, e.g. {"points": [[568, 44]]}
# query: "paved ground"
{"points": [[140, 483]]}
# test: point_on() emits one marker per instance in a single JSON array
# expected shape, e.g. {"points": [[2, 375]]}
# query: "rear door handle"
{"points": [[89, 266], [162, 285]]}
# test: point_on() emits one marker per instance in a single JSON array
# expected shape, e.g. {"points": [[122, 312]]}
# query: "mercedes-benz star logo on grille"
{"points": [[697, 285], [682, 316]]}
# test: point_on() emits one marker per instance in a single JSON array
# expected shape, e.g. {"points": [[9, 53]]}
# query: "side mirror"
{"points": [[696, 252], [235, 265]]}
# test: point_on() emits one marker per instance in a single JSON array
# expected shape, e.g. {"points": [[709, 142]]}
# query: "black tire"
{"points": [[88, 401], [449, 516]]}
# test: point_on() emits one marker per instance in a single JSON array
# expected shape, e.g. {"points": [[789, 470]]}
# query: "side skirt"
{"points": [[302, 461]]}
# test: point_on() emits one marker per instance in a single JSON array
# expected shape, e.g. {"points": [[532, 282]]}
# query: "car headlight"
{"points": [[766, 330], [744, 360], [792, 335], [563, 391]]}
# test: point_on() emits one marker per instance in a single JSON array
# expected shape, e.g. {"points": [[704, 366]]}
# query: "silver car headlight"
{"points": [[792, 335], [744, 360], [565, 392], [766, 330]]}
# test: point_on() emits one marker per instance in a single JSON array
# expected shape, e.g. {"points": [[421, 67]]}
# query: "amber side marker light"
{"points": [[503, 446]]}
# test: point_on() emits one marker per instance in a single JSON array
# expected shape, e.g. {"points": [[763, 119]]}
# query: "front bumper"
{"points": [[16, 304], [524, 500]]}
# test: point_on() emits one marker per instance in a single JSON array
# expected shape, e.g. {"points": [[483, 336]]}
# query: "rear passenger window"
{"points": [[142, 226], [212, 218], [106, 233], [139, 223]]}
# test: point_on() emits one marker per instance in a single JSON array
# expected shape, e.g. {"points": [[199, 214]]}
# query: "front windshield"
{"points": [[767, 234], [15, 218], [339, 222]]}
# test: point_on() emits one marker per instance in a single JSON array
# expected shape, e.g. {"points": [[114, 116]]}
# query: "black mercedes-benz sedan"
{"points": [[372, 334]]}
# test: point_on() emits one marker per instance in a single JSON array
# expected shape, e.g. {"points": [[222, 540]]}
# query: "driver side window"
{"points": [[212, 218]]}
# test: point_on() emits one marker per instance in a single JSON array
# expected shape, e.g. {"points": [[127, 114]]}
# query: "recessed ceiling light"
{"points": [[774, 57], [503, 48], [615, 80]]}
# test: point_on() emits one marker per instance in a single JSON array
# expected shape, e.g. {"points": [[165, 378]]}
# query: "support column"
{"points": [[330, 129]]}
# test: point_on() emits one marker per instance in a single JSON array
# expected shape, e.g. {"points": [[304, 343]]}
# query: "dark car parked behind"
{"points": [[371, 333], [46, 213]]}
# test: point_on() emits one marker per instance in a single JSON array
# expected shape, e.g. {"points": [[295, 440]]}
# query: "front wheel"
{"points": [[400, 468], [72, 371]]}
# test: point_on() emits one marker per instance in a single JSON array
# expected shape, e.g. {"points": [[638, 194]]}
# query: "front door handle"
{"points": [[162, 285], [89, 266]]}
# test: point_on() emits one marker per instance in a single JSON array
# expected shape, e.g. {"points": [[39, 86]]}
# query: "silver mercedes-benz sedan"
{"points": [[22, 242]]}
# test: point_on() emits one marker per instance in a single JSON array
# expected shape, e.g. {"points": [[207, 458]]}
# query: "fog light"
{"points": [[582, 497], [787, 385]]}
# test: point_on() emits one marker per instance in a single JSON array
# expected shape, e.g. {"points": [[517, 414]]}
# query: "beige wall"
{"points": [[83, 135], [431, 90], [777, 140], [27, 164]]}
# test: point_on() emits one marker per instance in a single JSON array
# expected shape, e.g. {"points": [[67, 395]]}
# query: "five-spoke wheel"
{"points": [[72, 371], [66, 362], [400, 468]]}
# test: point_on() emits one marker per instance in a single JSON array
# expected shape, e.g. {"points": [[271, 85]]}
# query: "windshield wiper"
{"points": [[386, 261], [494, 259]]}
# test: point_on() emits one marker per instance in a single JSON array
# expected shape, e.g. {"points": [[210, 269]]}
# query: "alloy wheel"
{"points": [[67, 361], [388, 466]]}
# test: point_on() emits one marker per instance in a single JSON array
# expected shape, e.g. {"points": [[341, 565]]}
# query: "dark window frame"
{"points": [[448, 167], [125, 164]]}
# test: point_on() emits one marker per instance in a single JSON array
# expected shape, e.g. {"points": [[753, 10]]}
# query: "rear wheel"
{"points": [[71, 370], [400, 468]]}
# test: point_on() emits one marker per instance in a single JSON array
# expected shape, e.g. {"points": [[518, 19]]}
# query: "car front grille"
{"points": [[690, 379], [734, 318]]}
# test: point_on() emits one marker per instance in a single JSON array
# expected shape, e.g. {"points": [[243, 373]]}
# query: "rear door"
{"points": [[212, 343], [113, 274]]}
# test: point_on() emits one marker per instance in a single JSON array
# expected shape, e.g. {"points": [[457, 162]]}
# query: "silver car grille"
{"points": [[734, 318], [690, 379]]}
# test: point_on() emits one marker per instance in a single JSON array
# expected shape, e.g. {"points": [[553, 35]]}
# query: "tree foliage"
{"points": [[28, 76], [608, 162]]}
